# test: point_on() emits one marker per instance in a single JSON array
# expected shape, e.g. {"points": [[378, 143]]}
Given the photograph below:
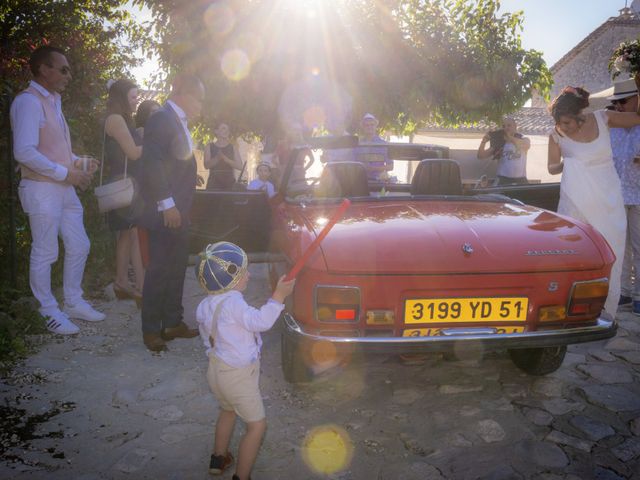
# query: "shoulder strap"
{"points": [[104, 139], [214, 322]]}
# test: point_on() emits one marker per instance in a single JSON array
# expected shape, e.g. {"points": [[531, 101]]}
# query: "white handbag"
{"points": [[117, 194]]}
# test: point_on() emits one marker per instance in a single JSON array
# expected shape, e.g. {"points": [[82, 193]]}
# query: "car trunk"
{"points": [[436, 237]]}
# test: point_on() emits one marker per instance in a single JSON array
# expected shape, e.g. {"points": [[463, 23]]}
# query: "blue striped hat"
{"points": [[220, 267]]}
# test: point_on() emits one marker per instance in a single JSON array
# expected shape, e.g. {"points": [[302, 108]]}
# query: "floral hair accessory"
{"points": [[572, 90], [625, 59]]}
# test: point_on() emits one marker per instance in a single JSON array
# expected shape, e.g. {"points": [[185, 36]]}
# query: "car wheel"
{"points": [[293, 366], [538, 361]]}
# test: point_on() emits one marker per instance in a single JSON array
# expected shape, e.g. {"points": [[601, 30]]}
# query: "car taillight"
{"points": [[588, 297], [337, 304]]}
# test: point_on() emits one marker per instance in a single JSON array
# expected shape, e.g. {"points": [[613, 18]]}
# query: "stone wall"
{"points": [[586, 65]]}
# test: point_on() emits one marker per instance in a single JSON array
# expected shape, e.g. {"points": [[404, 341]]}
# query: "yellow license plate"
{"points": [[458, 310], [435, 332]]}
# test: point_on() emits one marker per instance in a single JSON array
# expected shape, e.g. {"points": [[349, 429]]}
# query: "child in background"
{"points": [[262, 182], [231, 330]]}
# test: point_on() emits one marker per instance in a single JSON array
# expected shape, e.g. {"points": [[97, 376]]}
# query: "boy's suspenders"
{"points": [[214, 323]]}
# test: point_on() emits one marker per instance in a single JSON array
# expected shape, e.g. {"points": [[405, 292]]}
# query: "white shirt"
{"points": [[265, 185], [168, 203], [183, 121], [236, 328], [27, 118], [512, 162]]}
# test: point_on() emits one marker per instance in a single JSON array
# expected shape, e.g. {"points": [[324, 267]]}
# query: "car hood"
{"points": [[437, 237]]}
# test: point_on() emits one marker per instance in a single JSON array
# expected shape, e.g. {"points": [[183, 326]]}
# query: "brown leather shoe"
{"points": [[179, 331], [154, 342]]}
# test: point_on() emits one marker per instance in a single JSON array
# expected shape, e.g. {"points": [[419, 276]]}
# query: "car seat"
{"points": [[343, 179], [437, 177]]}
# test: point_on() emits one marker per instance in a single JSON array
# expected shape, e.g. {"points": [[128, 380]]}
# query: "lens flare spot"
{"points": [[323, 353], [321, 221], [219, 19], [327, 449], [235, 64]]}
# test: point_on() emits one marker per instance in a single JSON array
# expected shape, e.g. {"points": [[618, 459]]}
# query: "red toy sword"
{"points": [[316, 243]]}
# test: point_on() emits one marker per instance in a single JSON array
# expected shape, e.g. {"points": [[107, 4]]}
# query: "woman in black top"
{"points": [[222, 158], [122, 145]]}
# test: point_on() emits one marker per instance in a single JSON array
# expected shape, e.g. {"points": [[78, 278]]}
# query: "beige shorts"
{"points": [[237, 389]]}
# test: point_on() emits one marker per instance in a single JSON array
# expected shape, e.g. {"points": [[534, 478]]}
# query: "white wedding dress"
{"points": [[590, 191]]}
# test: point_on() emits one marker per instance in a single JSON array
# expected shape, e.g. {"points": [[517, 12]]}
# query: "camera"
{"points": [[496, 140]]}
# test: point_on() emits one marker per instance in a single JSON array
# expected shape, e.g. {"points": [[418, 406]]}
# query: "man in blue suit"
{"points": [[167, 182]]}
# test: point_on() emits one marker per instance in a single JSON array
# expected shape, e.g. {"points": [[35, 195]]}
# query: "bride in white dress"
{"points": [[590, 191]]}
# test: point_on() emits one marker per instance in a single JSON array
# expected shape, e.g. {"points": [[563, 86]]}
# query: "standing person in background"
{"points": [[122, 148], [144, 111], [375, 159], [625, 144], [510, 149], [50, 171], [590, 191], [167, 188], [222, 158], [262, 182]]}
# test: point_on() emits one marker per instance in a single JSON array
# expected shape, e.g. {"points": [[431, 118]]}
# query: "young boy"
{"points": [[231, 330], [262, 182]]}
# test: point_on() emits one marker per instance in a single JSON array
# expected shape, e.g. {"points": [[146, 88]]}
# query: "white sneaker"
{"points": [[58, 322], [83, 311]]}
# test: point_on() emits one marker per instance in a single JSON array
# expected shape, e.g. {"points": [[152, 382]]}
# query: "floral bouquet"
{"points": [[625, 58]]}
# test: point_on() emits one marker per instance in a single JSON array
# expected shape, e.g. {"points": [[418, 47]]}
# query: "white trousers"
{"points": [[54, 210], [631, 264]]}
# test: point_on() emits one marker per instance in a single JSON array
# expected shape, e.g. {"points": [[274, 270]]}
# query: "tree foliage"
{"points": [[99, 37], [408, 61]]}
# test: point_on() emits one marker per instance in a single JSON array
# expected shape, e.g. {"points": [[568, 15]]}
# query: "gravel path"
{"points": [[99, 406]]}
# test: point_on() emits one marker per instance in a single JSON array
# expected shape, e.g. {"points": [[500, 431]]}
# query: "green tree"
{"points": [[100, 38], [409, 61]]}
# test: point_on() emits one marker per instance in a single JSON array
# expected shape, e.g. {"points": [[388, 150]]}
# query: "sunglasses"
{"points": [[63, 70], [622, 101]]}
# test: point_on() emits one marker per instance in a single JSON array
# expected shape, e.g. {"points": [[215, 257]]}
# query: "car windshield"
{"points": [[342, 170]]}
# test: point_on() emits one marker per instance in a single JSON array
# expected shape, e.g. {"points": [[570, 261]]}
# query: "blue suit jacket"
{"points": [[168, 168]]}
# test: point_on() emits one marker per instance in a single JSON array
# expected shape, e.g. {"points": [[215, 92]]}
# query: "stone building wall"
{"points": [[586, 64], [589, 67]]}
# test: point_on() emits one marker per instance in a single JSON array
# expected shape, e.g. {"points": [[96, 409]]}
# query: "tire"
{"points": [[538, 361], [294, 368]]}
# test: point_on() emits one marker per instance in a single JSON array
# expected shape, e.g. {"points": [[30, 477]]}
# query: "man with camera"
{"points": [[510, 149]]}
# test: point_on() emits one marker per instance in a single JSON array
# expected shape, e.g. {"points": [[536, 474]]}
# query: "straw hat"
{"points": [[623, 89]]}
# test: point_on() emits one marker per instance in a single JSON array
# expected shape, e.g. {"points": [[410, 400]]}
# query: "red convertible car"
{"points": [[417, 263]]}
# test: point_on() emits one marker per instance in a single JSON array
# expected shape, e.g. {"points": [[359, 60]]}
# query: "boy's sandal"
{"points": [[219, 463]]}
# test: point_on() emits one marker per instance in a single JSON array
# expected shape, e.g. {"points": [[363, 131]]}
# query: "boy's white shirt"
{"points": [[265, 185], [237, 328]]}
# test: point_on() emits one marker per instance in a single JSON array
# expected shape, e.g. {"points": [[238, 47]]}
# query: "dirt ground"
{"points": [[100, 406]]}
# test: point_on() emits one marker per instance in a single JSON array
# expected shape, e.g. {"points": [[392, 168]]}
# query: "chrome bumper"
{"points": [[451, 338]]}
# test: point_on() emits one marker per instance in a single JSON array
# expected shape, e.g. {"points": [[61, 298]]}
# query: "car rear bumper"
{"points": [[455, 338]]}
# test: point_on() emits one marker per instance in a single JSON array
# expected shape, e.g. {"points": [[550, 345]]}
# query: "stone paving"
{"points": [[99, 406]]}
